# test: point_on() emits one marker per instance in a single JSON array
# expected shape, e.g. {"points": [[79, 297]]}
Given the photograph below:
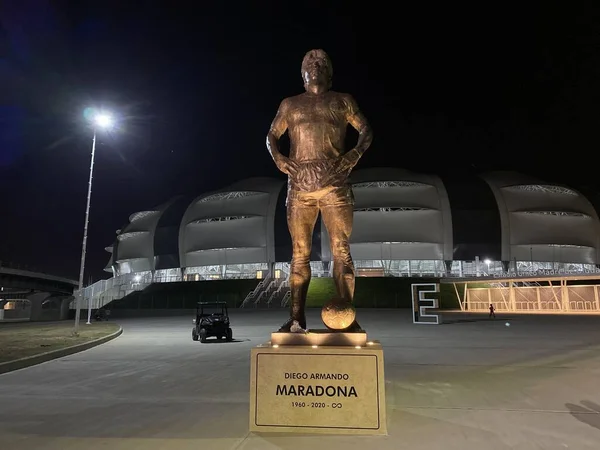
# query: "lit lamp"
{"points": [[99, 121], [487, 261]]}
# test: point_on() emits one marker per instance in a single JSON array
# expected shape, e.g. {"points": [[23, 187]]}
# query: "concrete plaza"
{"points": [[468, 384]]}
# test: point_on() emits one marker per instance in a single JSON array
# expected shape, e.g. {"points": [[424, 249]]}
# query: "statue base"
{"points": [[320, 337], [317, 388]]}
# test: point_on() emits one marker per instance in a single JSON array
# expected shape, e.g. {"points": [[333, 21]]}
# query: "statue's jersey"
{"points": [[317, 129]]}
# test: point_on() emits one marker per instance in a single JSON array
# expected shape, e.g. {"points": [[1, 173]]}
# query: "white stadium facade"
{"points": [[406, 224]]}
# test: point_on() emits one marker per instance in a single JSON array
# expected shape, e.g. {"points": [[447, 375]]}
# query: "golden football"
{"points": [[338, 314]]}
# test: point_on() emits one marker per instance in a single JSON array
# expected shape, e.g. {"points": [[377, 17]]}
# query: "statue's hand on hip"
{"points": [[347, 161], [286, 165]]}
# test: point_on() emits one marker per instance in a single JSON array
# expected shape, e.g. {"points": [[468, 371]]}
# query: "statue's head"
{"points": [[317, 69]]}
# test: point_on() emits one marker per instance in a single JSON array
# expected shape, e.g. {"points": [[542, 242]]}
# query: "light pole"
{"points": [[102, 121], [487, 261]]}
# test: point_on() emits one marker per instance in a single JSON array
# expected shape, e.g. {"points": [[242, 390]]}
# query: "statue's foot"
{"points": [[285, 328], [354, 328], [293, 326], [296, 328]]}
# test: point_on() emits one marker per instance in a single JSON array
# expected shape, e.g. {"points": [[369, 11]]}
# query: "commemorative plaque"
{"points": [[318, 389]]}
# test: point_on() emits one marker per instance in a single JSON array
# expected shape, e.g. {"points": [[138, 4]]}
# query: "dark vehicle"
{"points": [[211, 319], [101, 314]]}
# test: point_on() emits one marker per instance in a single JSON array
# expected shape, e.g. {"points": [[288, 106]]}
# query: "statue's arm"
{"points": [[365, 135], [278, 127], [359, 122]]}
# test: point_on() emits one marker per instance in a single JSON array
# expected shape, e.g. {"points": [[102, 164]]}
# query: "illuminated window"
{"points": [[567, 246], [387, 184], [556, 213], [125, 236], [141, 215], [278, 273], [392, 209], [228, 196], [546, 188], [217, 249], [220, 219], [259, 274]]}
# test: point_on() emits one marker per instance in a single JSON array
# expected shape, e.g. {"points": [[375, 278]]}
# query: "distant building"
{"points": [[405, 224]]}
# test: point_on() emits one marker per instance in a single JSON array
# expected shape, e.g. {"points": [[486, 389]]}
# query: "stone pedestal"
{"points": [[306, 387], [320, 337]]}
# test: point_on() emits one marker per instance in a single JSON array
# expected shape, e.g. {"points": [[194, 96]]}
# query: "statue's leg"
{"points": [[338, 220], [338, 213], [301, 219]]}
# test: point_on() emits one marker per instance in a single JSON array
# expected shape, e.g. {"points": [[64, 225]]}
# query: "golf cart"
{"points": [[211, 319]]}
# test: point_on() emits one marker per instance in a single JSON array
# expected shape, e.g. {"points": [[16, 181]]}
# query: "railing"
{"points": [[286, 298], [265, 291], [105, 291], [276, 288], [259, 298], [256, 292], [283, 287]]}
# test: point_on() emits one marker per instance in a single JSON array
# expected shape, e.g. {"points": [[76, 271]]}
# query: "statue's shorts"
{"points": [[330, 196]]}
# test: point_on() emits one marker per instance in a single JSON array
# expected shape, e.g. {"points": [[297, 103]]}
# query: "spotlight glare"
{"points": [[103, 120]]}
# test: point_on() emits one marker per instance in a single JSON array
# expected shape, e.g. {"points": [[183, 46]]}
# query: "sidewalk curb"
{"points": [[22, 363]]}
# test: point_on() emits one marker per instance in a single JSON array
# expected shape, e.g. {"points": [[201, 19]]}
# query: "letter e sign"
{"points": [[422, 304]]}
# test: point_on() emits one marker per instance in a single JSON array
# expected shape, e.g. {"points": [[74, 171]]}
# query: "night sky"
{"points": [[450, 91]]}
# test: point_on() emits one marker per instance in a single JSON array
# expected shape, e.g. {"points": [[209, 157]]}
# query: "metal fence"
{"points": [[562, 298], [105, 291]]}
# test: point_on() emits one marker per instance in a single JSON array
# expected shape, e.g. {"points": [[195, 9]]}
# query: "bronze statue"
{"points": [[318, 170]]}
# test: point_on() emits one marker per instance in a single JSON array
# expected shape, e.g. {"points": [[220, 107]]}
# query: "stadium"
{"points": [[406, 225]]}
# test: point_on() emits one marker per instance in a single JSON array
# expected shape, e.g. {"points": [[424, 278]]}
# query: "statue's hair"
{"points": [[318, 54]]}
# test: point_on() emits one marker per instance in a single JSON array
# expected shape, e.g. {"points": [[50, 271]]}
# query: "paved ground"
{"points": [[472, 384]]}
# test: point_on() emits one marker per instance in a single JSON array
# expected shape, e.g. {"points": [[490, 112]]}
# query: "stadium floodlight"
{"points": [[487, 261]]}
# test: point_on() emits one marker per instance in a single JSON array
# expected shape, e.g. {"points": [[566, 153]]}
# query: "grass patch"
{"points": [[370, 292], [388, 292], [29, 339]]}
